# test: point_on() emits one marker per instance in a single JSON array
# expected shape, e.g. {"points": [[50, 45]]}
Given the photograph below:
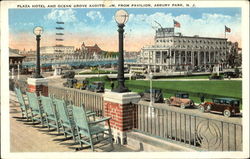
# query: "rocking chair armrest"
{"points": [[101, 120], [91, 114]]}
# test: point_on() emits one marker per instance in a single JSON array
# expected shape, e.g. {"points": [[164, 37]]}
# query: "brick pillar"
{"points": [[119, 106], [38, 85]]}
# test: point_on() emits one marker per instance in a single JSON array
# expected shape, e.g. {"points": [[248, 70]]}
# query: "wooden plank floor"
{"points": [[26, 137]]}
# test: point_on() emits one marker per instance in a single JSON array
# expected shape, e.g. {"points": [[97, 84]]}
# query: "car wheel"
{"points": [[168, 101], [227, 113], [183, 106], [209, 107], [202, 109]]}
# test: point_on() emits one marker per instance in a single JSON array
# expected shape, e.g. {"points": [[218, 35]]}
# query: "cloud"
{"points": [[62, 15], [95, 15], [208, 25]]}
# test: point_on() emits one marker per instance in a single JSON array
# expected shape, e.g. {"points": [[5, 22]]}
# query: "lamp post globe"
{"points": [[121, 17], [38, 31]]}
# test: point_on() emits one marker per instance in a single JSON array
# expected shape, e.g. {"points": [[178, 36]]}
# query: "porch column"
{"points": [[38, 85], [198, 58], [119, 106], [185, 57], [192, 58], [161, 60]]}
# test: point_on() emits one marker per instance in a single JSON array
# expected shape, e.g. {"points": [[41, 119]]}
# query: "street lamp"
{"points": [[38, 31], [151, 108], [121, 17]]}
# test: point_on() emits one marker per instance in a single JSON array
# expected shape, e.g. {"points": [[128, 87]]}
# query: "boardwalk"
{"points": [[26, 137]]}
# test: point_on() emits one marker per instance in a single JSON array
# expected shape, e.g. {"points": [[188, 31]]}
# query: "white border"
{"points": [[5, 134]]}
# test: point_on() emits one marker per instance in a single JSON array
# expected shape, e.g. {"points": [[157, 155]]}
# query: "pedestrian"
{"points": [[202, 98], [112, 85]]}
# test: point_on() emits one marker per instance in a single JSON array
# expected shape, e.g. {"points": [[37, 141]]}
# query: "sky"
{"points": [[97, 25]]}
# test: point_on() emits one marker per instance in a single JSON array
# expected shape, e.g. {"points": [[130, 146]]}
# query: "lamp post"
{"points": [[38, 31], [151, 111], [121, 17]]}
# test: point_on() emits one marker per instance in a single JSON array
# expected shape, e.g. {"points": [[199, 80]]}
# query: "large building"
{"points": [[173, 51], [90, 52], [59, 49]]}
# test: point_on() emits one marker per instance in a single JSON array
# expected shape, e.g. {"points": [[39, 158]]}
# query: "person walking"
{"points": [[202, 98], [112, 85]]}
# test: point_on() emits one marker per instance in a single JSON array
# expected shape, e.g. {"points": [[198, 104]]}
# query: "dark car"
{"points": [[181, 99], [97, 86], [137, 76], [157, 95], [215, 77], [68, 74], [227, 106], [70, 82], [230, 74]]}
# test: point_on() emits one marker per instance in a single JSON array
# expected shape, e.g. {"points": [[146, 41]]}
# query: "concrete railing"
{"points": [[92, 101], [197, 131]]}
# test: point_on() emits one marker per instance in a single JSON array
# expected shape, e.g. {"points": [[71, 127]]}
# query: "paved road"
{"points": [[194, 111]]}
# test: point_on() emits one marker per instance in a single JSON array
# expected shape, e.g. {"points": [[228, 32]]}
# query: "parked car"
{"points": [[70, 82], [137, 76], [181, 99], [214, 76], [68, 74], [227, 106], [156, 94], [230, 74], [81, 84], [97, 86]]}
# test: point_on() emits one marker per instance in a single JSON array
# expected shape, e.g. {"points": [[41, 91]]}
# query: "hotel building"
{"points": [[173, 51]]}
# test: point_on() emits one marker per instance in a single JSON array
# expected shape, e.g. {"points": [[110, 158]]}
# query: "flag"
{"points": [[227, 29], [177, 24]]}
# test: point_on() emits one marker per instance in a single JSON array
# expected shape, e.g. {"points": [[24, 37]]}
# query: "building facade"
{"points": [[57, 49], [177, 52], [91, 52]]}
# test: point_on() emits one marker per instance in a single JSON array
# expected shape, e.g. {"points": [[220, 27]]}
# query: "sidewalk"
{"points": [[26, 137]]}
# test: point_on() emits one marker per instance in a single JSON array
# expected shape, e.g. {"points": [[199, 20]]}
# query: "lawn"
{"points": [[97, 72], [210, 89], [191, 77]]}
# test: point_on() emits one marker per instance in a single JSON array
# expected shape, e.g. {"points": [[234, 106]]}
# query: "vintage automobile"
{"points": [[230, 74], [70, 82], [97, 86], [181, 99], [214, 76], [81, 84], [68, 74], [227, 106], [157, 95]]}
